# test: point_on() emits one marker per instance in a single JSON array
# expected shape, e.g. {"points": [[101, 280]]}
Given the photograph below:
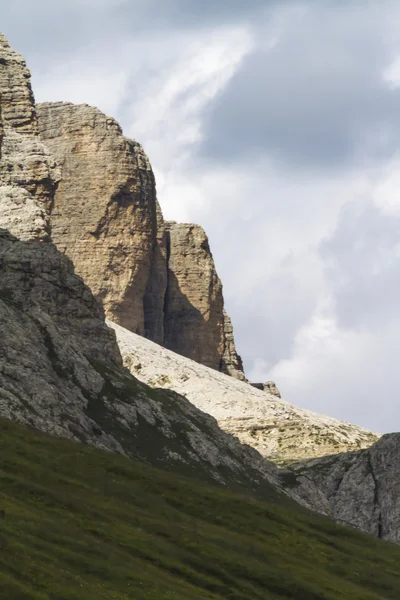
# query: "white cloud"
{"points": [[166, 112], [385, 186], [347, 374]]}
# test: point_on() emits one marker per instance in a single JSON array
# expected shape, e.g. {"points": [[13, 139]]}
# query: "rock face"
{"points": [[196, 324], [28, 173], [268, 386], [361, 488], [278, 430], [17, 97], [154, 278], [103, 215]]}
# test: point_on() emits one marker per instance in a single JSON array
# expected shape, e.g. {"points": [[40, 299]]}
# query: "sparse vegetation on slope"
{"points": [[85, 524]]}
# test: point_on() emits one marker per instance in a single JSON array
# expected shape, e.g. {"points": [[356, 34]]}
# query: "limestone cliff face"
{"points": [[196, 324], [154, 299], [154, 278], [104, 214]]}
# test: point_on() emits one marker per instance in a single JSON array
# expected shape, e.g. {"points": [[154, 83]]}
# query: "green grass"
{"points": [[89, 525]]}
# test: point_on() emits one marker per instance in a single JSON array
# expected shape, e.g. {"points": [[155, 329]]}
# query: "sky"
{"points": [[275, 124]]}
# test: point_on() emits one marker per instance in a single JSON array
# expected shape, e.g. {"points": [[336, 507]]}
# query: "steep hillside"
{"points": [[278, 430], [82, 524]]}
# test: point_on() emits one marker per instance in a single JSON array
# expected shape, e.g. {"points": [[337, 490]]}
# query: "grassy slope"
{"points": [[81, 523]]}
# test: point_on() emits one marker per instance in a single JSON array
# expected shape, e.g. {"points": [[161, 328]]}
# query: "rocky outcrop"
{"points": [[17, 97], [280, 431], [154, 278], [361, 489], [28, 174], [196, 324], [268, 386]]}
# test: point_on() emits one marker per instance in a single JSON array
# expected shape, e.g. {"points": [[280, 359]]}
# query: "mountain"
{"points": [[336, 468], [60, 367], [153, 277], [81, 235]]}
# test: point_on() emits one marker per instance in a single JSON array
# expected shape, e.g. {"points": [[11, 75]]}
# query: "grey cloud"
{"points": [[60, 27], [44, 30], [196, 13], [316, 99], [363, 267]]}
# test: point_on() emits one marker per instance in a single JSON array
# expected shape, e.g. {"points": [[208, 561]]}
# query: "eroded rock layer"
{"points": [[17, 97]]}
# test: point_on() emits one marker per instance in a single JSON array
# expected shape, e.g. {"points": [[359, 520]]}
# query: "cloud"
{"points": [[317, 98], [362, 264], [347, 374]]}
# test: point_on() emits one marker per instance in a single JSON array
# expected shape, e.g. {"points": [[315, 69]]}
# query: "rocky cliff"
{"points": [[28, 173], [196, 324], [60, 367], [154, 278], [103, 215]]}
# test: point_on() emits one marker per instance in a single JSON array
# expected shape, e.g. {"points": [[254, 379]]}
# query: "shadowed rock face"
{"points": [[360, 488], [196, 324], [154, 278]]}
